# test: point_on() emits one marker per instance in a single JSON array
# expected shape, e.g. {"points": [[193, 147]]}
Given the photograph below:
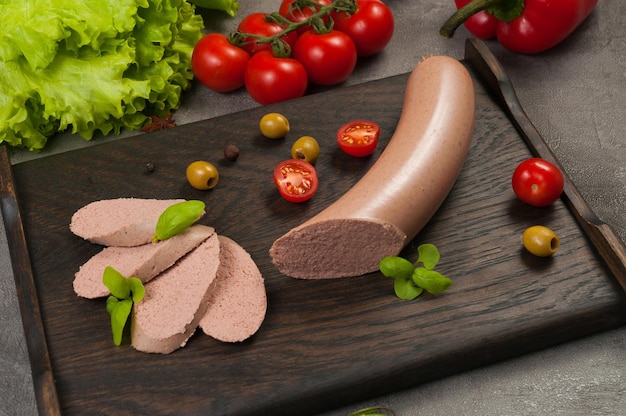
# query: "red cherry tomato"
{"points": [[371, 27], [271, 80], [329, 58], [537, 182], [296, 180], [358, 138], [258, 24], [296, 15], [218, 64]]}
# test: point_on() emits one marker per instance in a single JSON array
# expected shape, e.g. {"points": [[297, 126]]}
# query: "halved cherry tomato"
{"points": [[537, 182], [296, 180], [358, 138]]}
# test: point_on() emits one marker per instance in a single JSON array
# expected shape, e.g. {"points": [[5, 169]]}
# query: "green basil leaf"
{"points": [[116, 283], [119, 310], [396, 267], [120, 304], [428, 255], [136, 288], [111, 301], [373, 411], [177, 218], [430, 280], [405, 289]]}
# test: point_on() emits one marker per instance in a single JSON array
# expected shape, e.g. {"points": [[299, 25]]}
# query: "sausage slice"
{"points": [[175, 301], [123, 222], [143, 262], [237, 305]]}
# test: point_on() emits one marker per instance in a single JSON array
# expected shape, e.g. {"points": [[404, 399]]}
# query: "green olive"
{"points": [[305, 148], [202, 175], [274, 125], [540, 241]]}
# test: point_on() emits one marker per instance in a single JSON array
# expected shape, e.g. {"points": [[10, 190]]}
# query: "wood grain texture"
{"points": [[602, 236], [324, 343], [43, 381]]}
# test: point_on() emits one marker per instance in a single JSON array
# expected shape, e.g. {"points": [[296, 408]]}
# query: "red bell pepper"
{"points": [[524, 26]]}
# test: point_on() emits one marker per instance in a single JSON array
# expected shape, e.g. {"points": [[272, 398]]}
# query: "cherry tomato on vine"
{"points": [[202, 175], [269, 79], [296, 180], [540, 241], [537, 182], [329, 58], [259, 24], [218, 64], [296, 15], [371, 27], [358, 138]]}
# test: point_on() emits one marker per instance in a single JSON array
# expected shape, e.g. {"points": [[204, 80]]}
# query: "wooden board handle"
{"points": [[610, 247], [41, 368]]}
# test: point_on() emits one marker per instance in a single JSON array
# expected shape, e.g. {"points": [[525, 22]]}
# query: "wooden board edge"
{"points": [[41, 368]]}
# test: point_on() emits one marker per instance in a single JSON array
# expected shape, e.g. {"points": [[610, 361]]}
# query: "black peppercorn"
{"points": [[231, 152]]}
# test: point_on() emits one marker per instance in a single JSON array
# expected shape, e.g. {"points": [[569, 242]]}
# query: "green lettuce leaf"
{"points": [[91, 65], [231, 7]]}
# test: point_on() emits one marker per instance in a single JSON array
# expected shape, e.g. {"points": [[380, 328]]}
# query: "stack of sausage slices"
{"points": [[194, 279]]}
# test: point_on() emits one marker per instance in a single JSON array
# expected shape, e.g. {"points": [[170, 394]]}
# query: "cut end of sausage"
{"points": [[400, 193], [336, 248], [238, 302]]}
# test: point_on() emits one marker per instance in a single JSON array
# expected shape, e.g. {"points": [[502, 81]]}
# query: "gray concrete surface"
{"points": [[575, 94]]}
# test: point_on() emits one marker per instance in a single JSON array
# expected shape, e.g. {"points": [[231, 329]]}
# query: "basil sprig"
{"points": [[411, 279], [124, 293]]}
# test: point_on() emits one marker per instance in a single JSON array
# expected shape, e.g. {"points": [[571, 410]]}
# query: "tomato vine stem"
{"points": [[282, 49]]}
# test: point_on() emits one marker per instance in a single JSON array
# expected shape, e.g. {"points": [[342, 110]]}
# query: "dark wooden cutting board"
{"points": [[323, 343]]}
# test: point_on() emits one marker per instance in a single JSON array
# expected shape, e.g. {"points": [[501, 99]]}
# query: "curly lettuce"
{"points": [[230, 7], [91, 65]]}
